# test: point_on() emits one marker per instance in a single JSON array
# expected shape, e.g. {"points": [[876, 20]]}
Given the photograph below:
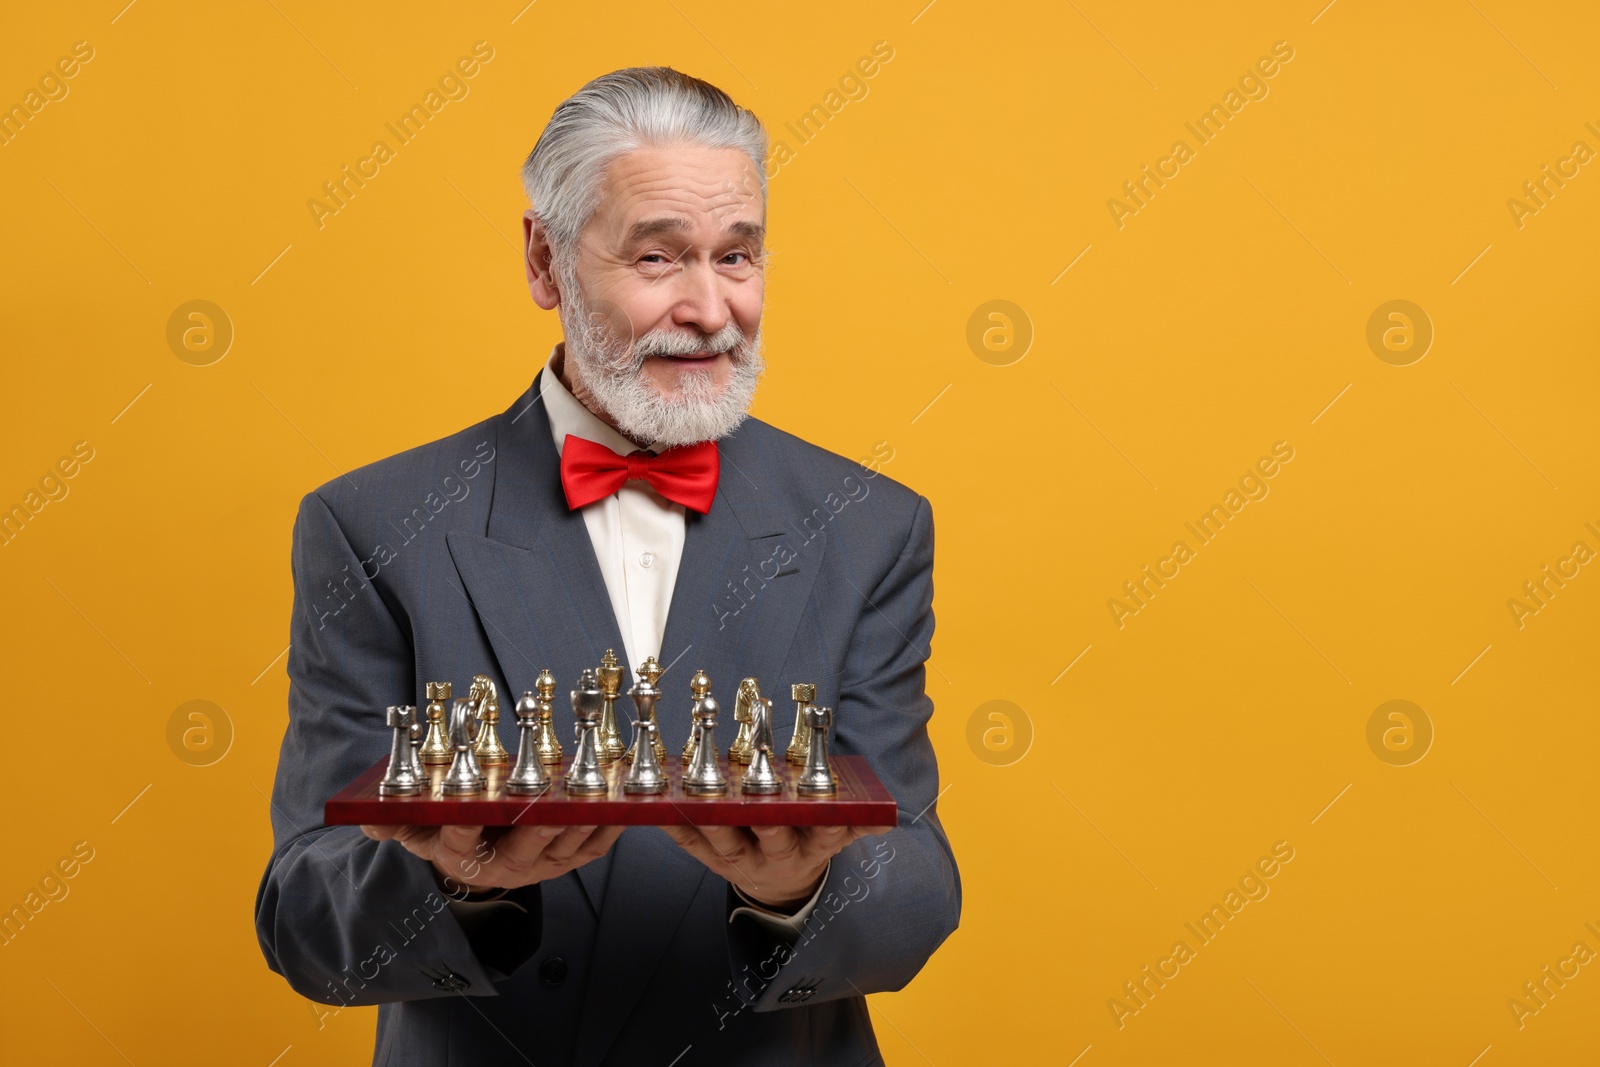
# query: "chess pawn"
{"points": [[486, 708], [704, 778], [817, 779], [699, 689], [528, 777], [610, 676], [436, 746], [584, 777], [401, 779], [464, 778], [415, 735], [645, 694], [761, 777], [646, 775], [739, 749]]}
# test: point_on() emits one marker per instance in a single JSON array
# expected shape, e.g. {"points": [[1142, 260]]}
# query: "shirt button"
{"points": [[647, 559]]}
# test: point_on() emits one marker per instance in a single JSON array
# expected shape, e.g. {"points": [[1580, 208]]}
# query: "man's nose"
{"points": [[701, 300]]}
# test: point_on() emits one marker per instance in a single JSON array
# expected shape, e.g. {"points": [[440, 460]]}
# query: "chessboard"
{"points": [[861, 800]]}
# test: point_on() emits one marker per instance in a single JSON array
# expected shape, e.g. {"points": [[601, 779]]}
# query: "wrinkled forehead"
{"points": [[685, 191]]}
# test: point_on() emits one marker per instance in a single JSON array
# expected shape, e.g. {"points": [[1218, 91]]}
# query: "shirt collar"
{"points": [[568, 415]]}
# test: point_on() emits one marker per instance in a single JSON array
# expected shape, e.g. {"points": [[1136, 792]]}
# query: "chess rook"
{"points": [[584, 777], [401, 779], [817, 779]]}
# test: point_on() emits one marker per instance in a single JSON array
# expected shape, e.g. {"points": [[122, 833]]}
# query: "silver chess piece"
{"points": [[401, 779], [649, 672], [645, 775], [817, 779], [464, 778], [704, 778], [761, 777], [528, 777], [804, 694], [584, 777]]}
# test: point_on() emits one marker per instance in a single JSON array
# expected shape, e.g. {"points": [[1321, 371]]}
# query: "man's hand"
{"points": [[778, 866], [523, 855]]}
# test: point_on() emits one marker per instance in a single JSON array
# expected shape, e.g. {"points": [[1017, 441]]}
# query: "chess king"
{"points": [[624, 500]]}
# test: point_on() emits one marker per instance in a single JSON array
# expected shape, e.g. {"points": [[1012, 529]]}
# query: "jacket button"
{"points": [[451, 983], [553, 971]]}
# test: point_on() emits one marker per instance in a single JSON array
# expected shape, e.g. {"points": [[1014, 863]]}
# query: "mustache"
{"points": [[672, 343]]}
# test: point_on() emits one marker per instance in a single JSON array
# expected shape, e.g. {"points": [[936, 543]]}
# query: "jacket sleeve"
{"points": [[888, 902], [348, 920]]}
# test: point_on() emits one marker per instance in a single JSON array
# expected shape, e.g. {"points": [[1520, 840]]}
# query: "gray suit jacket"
{"points": [[460, 557]]}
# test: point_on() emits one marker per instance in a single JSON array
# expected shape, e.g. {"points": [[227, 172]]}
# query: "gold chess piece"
{"points": [[436, 750], [544, 732], [649, 673], [486, 709], [699, 688], [742, 747], [804, 695], [609, 743]]}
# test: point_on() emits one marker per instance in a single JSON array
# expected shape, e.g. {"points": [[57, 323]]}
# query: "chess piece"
{"points": [[761, 777], [645, 694], [486, 708], [528, 777], [416, 734], [646, 775], [817, 779], [401, 778], [464, 777], [699, 689], [544, 736], [803, 693], [739, 749], [584, 777], [436, 746], [704, 778], [610, 675]]}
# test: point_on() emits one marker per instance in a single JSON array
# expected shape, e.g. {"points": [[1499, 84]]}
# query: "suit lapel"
{"points": [[533, 579]]}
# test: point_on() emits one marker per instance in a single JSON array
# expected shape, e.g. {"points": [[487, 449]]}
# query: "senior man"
{"points": [[627, 501]]}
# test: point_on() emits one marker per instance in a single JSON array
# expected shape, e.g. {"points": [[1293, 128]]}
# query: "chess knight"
{"points": [[621, 496]]}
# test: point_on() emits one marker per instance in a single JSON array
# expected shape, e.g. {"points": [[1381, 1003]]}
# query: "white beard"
{"points": [[612, 370]]}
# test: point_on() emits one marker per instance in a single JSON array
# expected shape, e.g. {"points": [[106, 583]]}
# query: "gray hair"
{"points": [[616, 113]]}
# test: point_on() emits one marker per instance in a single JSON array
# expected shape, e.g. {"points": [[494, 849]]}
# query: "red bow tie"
{"points": [[686, 475]]}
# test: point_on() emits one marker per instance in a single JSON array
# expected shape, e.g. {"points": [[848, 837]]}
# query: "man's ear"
{"points": [[537, 259]]}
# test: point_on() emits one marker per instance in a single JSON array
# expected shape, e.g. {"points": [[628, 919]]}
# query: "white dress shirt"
{"points": [[638, 540]]}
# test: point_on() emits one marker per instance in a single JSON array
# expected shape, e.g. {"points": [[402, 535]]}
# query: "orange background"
{"points": [[1111, 802]]}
